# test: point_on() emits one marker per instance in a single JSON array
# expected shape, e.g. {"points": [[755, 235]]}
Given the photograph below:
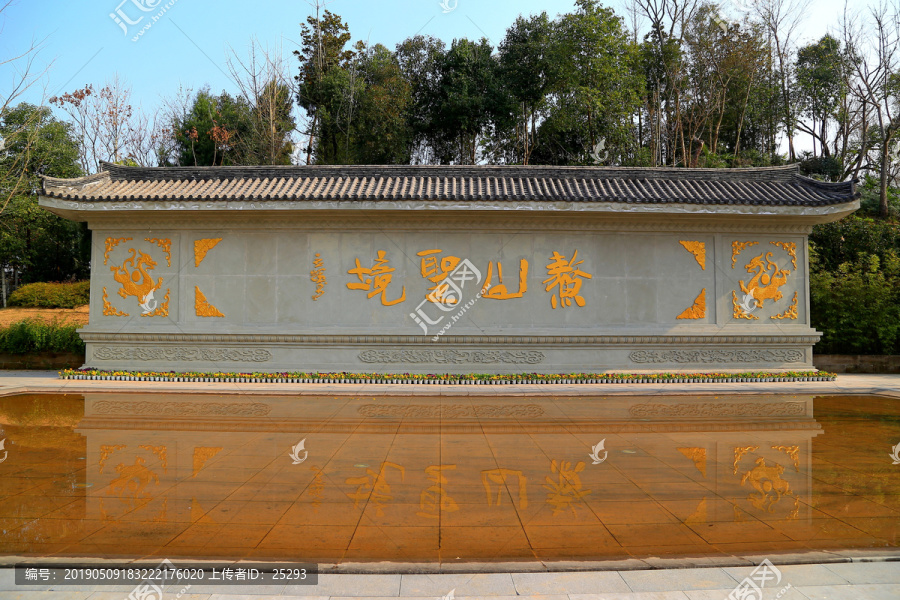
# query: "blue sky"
{"points": [[187, 45]]}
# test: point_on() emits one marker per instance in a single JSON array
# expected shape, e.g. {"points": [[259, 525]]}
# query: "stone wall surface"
{"points": [[400, 297]]}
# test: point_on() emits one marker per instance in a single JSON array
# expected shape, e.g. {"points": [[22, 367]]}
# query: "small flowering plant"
{"points": [[447, 378]]}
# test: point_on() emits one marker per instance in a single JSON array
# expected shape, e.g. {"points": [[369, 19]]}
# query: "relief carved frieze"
{"points": [[719, 409], [426, 411], [413, 356], [253, 355], [717, 356], [219, 409]]}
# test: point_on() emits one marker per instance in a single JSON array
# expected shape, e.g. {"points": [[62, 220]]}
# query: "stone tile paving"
{"points": [[851, 581]]}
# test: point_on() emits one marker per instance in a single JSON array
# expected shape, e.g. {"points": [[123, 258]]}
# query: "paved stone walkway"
{"points": [[835, 581]]}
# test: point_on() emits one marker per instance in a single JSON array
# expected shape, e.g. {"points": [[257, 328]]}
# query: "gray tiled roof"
{"points": [[772, 186]]}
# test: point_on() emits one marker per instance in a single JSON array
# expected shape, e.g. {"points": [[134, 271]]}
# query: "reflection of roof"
{"points": [[771, 186]]}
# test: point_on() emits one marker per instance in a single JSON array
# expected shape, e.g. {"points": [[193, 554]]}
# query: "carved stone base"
{"points": [[505, 355]]}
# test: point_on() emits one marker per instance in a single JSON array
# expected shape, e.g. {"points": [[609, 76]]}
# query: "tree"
{"points": [[820, 81], [108, 127], [381, 132], [212, 132], [598, 90], [419, 58], [36, 245], [266, 89], [323, 61], [875, 68], [529, 71]]}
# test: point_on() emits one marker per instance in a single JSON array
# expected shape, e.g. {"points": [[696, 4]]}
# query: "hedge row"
{"points": [[51, 295], [32, 336]]}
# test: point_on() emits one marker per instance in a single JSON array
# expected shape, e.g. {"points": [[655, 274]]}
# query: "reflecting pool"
{"points": [[445, 479]]}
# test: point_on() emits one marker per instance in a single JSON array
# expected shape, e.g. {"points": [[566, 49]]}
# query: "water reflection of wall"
{"points": [[463, 462]]}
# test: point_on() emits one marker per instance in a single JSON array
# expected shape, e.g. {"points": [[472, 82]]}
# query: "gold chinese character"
{"points": [[436, 273], [567, 276], [567, 488], [374, 487], [499, 291], [375, 280], [317, 276], [435, 499]]}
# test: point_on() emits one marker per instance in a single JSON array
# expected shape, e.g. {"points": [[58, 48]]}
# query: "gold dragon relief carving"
{"points": [[767, 279], [136, 279]]}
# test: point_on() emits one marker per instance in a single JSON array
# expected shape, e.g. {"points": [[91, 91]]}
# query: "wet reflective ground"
{"points": [[450, 479]]}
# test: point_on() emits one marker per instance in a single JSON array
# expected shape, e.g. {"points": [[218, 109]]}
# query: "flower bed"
{"points": [[447, 379]]}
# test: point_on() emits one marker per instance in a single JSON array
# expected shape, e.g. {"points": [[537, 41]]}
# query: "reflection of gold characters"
{"points": [[567, 488], [499, 476], [374, 487], [434, 499]]}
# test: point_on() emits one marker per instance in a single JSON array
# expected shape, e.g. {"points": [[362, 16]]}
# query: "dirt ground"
{"points": [[74, 315]]}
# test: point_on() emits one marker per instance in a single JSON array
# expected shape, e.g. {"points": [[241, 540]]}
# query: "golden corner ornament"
{"points": [[431, 269]]}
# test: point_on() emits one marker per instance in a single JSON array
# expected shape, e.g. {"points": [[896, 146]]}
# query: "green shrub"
{"points": [[52, 295], [857, 306], [33, 336]]}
